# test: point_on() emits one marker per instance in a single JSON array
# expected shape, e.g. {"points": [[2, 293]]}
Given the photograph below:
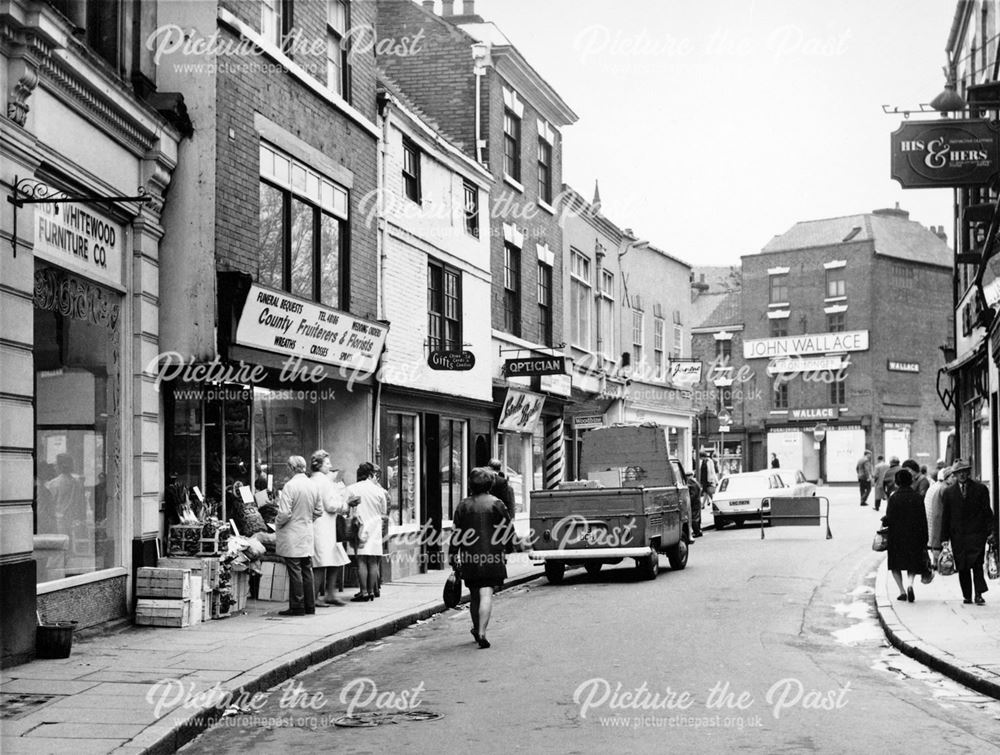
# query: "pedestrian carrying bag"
{"points": [[881, 541], [341, 528], [946, 563], [992, 561], [452, 590]]}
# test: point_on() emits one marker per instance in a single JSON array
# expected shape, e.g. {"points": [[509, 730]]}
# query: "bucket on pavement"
{"points": [[54, 639]]}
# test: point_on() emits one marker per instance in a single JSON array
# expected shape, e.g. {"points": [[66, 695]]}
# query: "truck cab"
{"points": [[633, 503]]}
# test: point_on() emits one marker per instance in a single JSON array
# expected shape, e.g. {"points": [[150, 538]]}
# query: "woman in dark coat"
{"points": [[907, 522], [477, 548]]}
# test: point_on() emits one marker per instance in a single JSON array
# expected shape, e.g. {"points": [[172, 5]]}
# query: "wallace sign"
{"points": [[935, 154]]}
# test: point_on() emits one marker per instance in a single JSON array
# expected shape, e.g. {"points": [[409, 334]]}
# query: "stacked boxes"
{"points": [[273, 581], [164, 597]]}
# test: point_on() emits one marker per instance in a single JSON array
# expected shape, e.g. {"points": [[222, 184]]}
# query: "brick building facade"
{"points": [[831, 362], [487, 100]]}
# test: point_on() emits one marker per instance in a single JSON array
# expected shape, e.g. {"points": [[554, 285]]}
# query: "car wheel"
{"points": [[555, 571], [648, 566], [677, 555], [593, 567], [720, 522], [738, 523]]}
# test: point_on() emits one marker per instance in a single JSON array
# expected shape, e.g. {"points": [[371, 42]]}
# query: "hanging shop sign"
{"points": [[893, 366], [560, 385], [457, 361], [274, 321], [78, 238], [824, 412], [685, 373], [817, 343], [520, 412], [586, 422], [935, 154], [534, 366]]}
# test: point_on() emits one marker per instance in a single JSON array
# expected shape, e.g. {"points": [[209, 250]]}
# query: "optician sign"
{"points": [[934, 154], [818, 343], [534, 366], [78, 238], [274, 321]]}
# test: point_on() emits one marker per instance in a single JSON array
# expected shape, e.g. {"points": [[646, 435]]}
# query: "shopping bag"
{"points": [[452, 590], [881, 541], [992, 561], [946, 563]]}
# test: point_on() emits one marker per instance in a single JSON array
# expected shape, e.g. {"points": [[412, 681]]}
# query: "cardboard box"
{"points": [[163, 613], [154, 582]]}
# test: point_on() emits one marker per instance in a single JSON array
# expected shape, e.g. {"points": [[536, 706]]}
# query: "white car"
{"points": [[746, 495]]}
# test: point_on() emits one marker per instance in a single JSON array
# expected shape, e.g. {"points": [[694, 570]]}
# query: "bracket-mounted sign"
{"points": [[943, 153]]}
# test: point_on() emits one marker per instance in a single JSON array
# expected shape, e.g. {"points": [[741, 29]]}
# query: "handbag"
{"points": [[341, 528], [354, 530], [881, 541], [946, 563], [992, 561], [452, 594], [927, 575]]}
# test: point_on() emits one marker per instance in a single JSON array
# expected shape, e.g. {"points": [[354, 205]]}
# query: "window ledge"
{"points": [[546, 206], [831, 299], [513, 182], [779, 304]]}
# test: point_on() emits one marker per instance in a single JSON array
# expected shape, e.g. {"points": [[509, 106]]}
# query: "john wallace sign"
{"points": [[935, 154]]}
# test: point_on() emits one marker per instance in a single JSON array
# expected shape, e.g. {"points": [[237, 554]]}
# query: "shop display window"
{"points": [[453, 466], [77, 504], [510, 452], [399, 467], [538, 459], [282, 427]]}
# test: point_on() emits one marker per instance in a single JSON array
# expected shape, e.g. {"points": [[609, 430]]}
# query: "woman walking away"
{"points": [[907, 522], [477, 548], [329, 556], [371, 507]]}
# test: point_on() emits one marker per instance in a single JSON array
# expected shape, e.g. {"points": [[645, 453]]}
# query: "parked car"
{"points": [[747, 495], [793, 478]]}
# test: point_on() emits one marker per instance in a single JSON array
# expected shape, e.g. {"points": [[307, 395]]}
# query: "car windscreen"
{"points": [[742, 484]]}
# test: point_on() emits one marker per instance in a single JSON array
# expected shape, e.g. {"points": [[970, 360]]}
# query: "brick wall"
{"points": [[287, 102], [87, 605]]}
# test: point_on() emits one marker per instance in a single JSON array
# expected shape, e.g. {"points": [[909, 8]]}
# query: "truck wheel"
{"points": [[648, 566], [677, 555], [555, 571], [593, 567]]}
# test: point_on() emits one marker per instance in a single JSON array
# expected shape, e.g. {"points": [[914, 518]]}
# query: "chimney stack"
{"points": [[447, 8], [468, 7], [428, 5]]}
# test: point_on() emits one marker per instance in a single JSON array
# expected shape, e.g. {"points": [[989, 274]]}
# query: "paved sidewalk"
{"points": [[95, 701], [960, 641]]}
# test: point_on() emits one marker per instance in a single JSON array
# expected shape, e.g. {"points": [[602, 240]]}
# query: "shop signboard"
{"points": [[585, 422], [814, 343], [520, 412], [944, 153], [823, 412], [685, 373], [534, 366], [275, 321], [561, 385], [786, 365], [894, 366], [79, 238], [457, 361]]}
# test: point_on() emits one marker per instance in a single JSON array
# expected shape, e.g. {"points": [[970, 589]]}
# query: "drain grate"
{"points": [[381, 718], [14, 705]]}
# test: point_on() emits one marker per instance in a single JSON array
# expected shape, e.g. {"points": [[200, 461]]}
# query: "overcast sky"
{"points": [[713, 126]]}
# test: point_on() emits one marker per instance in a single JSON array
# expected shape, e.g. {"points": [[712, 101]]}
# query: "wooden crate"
{"points": [[154, 582], [163, 613], [241, 590], [197, 601], [205, 567], [184, 540]]}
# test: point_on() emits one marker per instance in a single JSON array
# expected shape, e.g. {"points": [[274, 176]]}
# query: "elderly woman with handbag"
{"points": [[329, 557], [907, 522], [371, 506]]}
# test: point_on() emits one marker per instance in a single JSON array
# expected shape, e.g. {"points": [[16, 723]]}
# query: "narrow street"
{"points": [[758, 646]]}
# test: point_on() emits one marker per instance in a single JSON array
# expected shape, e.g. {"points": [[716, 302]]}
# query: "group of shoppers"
{"points": [[308, 535], [921, 515]]}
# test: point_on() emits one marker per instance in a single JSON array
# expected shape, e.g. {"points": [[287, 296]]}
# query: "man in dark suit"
{"points": [[967, 521]]}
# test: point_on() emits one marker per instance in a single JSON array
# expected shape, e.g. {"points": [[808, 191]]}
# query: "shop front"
{"points": [[292, 376], [822, 443], [427, 446]]}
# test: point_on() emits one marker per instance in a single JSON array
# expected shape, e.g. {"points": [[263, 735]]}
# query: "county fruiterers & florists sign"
{"points": [[274, 321]]}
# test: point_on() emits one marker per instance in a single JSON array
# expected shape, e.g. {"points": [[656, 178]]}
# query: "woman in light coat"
{"points": [[329, 556], [372, 505]]}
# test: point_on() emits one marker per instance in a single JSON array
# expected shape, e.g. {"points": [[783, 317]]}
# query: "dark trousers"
{"points": [[695, 517], [967, 578], [866, 487], [302, 588]]}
